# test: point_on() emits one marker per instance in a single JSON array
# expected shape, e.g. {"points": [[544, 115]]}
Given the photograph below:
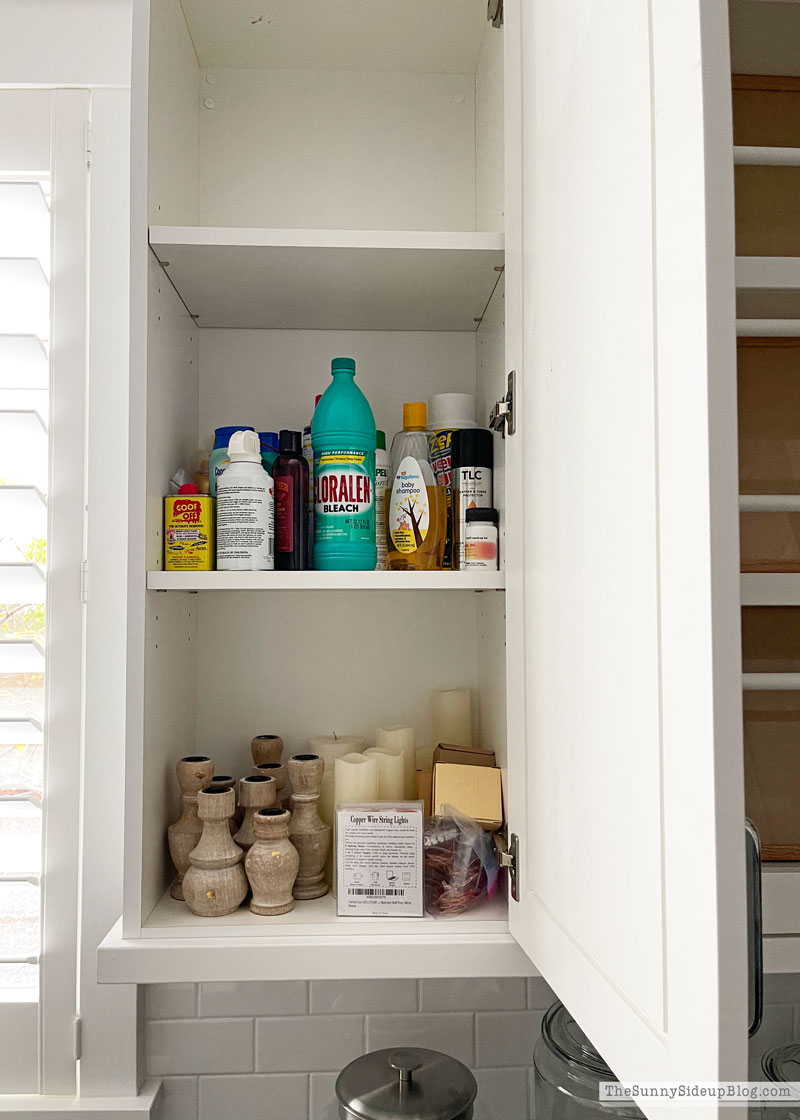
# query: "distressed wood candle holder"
{"points": [[266, 748], [307, 831], [215, 883], [272, 863], [193, 772], [256, 791]]}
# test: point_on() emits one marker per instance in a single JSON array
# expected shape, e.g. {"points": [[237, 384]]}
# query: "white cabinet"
{"points": [[316, 184]]}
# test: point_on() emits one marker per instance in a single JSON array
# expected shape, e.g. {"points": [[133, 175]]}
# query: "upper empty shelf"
{"points": [[331, 279]]}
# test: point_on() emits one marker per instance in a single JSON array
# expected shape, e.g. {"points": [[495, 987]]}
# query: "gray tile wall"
{"points": [[272, 1051]]}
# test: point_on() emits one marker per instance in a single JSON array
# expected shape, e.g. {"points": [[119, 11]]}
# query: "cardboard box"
{"points": [[464, 756], [475, 791], [425, 789]]}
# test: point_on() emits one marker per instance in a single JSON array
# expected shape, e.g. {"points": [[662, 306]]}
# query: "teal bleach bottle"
{"points": [[343, 442]]}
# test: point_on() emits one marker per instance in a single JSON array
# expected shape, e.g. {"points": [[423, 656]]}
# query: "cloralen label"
{"points": [[344, 499], [409, 514]]}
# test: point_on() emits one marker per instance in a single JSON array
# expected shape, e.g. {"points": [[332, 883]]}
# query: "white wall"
{"points": [[65, 42]]}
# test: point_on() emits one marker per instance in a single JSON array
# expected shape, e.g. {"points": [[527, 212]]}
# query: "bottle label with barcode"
{"points": [[379, 860]]}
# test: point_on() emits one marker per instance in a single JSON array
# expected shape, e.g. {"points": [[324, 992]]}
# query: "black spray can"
{"points": [[472, 451]]}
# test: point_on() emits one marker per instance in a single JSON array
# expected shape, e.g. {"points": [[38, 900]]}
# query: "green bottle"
{"points": [[343, 442]]}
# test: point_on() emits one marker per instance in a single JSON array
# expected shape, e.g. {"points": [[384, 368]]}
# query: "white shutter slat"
{"points": [[21, 656], [23, 362], [27, 731], [24, 297], [22, 583], [23, 512]]}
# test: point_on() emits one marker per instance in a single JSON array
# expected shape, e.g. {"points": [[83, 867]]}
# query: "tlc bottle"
{"points": [[343, 439], [269, 449], [290, 475], [417, 504], [244, 509], [472, 451]]}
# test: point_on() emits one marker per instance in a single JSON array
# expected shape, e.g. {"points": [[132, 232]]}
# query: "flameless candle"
{"points": [[391, 772], [329, 748], [452, 716], [355, 779], [404, 739]]}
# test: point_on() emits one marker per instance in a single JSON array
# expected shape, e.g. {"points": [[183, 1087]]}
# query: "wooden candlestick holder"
{"points": [[257, 791], [272, 863], [307, 831], [215, 884], [193, 772]]}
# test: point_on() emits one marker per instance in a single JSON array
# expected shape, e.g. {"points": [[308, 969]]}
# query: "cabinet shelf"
{"points": [[770, 589], [325, 581], [309, 943], [768, 287], [331, 279]]}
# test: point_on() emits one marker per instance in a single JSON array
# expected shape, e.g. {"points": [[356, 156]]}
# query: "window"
{"points": [[43, 234]]}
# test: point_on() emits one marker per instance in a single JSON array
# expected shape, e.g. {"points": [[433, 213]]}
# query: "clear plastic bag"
{"points": [[461, 866]]}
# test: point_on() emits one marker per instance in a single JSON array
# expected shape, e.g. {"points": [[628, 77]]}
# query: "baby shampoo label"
{"points": [[409, 511], [344, 505]]}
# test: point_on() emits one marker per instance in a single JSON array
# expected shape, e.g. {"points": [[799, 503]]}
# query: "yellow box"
{"points": [[189, 533], [475, 791]]}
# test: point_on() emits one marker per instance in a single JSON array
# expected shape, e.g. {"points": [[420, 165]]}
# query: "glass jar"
{"points": [[568, 1072], [781, 1064]]}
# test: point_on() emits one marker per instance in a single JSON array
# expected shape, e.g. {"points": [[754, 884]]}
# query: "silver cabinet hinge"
{"points": [[77, 1037], [84, 581], [508, 854], [87, 142], [502, 415], [494, 12]]}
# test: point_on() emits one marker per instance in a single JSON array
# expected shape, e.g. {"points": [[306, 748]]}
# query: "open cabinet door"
{"points": [[625, 564]]}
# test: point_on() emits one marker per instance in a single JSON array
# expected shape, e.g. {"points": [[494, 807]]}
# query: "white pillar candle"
{"points": [[355, 778], [329, 748], [391, 772], [404, 739], [451, 709]]}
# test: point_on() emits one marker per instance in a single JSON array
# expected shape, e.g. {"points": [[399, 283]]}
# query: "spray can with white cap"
{"points": [[448, 413], [245, 519]]}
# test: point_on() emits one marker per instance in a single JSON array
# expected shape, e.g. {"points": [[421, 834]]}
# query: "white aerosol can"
{"points": [[245, 518]]}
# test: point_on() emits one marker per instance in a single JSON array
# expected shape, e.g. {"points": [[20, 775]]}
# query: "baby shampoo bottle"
{"points": [[416, 527]]}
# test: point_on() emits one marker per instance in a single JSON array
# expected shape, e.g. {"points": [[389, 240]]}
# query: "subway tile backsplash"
{"points": [[272, 1051]]}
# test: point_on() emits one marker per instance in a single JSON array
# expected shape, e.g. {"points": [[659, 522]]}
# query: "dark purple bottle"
{"points": [[290, 475]]}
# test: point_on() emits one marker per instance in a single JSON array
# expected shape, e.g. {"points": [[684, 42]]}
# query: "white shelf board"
{"points": [[23, 512], [325, 581], [23, 362], [310, 943], [331, 279], [768, 328], [771, 682], [768, 287], [21, 656], [306, 35], [770, 589], [769, 503], [22, 583], [771, 157]]}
